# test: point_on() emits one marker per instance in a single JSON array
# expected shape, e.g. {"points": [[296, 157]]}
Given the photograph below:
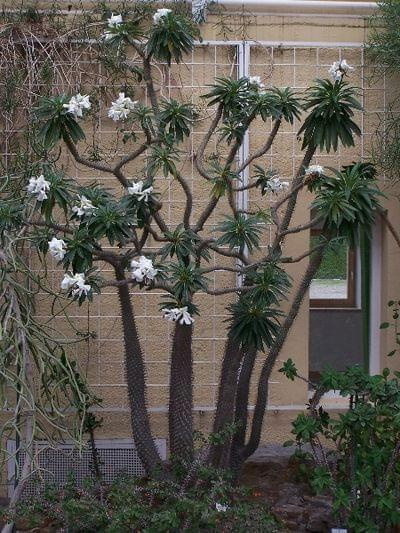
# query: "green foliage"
{"points": [[253, 324], [348, 201], [270, 284], [57, 122], [232, 129], [223, 177], [289, 369], [228, 92], [59, 195], [254, 320], [394, 309], [164, 158], [330, 121], [363, 472], [287, 104], [11, 215], [183, 244], [131, 504], [80, 248], [176, 118], [186, 280], [171, 37], [240, 231], [113, 221]]}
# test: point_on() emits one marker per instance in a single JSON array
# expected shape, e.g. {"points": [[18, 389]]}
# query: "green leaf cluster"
{"points": [[57, 122], [171, 38], [240, 232], [254, 320], [176, 119], [348, 201], [330, 120]]}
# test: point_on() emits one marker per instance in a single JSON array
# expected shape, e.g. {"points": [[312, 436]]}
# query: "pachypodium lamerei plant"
{"points": [[101, 226]]}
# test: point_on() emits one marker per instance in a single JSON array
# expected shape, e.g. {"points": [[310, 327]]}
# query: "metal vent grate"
{"points": [[56, 466]]}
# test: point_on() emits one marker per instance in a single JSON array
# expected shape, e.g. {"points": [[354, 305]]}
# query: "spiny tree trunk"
{"points": [[262, 395], [180, 416], [135, 379], [224, 415], [241, 407]]}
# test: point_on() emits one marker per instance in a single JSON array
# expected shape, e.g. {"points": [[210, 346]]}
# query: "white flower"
{"points": [[256, 80], [39, 186], [78, 282], [339, 68], [137, 190], [108, 35], [159, 14], [57, 248], [314, 169], [179, 314], [143, 269], [121, 108], [221, 508], [114, 20], [276, 185], [77, 104], [85, 207]]}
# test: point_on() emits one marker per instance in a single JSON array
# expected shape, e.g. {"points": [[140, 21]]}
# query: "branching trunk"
{"points": [[136, 383], [181, 394], [262, 395], [224, 415]]}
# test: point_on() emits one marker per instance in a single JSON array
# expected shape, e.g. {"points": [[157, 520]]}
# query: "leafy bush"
{"points": [[132, 504], [362, 470]]}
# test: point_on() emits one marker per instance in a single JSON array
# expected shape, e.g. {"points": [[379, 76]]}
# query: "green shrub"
{"points": [[132, 504], [360, 466]]}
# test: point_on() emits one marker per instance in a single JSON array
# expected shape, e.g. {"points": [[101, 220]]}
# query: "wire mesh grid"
{"points": [[56, 467]]}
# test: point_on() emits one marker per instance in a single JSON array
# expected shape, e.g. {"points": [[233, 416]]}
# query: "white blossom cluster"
{"points": [[77, 105], [38, 186], [113, 22], [256, 81], [77, 283], [314, 169], [159, 14], [136, 189], [143, 269], [276, 185], [57, 248], [339, 69], [121, 108], [85, 207], [221, 508], [179, 314]]}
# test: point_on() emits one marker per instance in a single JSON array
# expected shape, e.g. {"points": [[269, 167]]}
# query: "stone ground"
{"points": [[274, 478]]}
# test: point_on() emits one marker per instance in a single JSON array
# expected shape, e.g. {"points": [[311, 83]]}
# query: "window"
{"points": [[334, 283]]}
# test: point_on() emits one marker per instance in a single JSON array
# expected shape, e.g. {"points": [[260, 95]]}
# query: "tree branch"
{"points": [[189, 199], [263, 150], [198, 158]]}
